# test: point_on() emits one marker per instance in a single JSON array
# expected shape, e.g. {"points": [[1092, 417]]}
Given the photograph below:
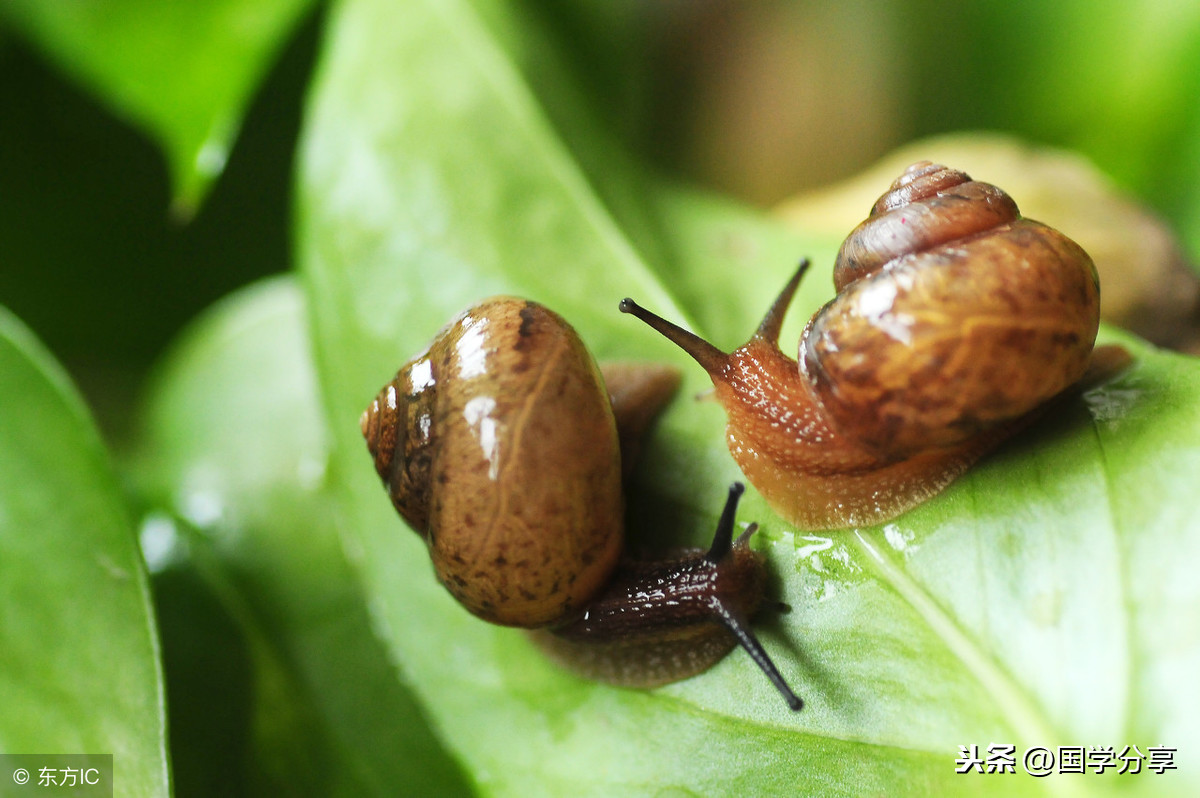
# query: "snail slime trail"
{"points": [[956, 321], [502, 446]]}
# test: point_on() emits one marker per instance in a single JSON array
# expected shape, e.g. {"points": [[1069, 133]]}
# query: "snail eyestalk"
{"points": [[708, 356], [749, 642], [720, 549], [772, 323], [723, 537]]}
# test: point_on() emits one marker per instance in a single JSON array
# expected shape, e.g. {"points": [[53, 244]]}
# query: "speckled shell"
{"points": [[953, 315], [464, 438]]}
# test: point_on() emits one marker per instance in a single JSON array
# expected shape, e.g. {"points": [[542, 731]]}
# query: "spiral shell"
{"points": [[953, 315]]}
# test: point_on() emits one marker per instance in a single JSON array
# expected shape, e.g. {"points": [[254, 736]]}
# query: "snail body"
{"points": [[955, 321], [500, 445], [660, 621]]}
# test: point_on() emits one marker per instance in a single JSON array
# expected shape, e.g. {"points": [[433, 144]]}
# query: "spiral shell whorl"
{"points": [[921, 180], [399, 432], [928, 206]]}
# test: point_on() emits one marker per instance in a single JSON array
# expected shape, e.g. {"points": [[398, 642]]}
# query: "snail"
{"points": [[499, 444], [956, 321]]}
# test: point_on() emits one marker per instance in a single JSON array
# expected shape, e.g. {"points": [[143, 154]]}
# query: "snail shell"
{"points": [[953, 315], [463, 438]]}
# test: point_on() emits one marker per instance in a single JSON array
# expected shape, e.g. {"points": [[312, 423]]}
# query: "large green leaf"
{"points": [[1044, 600], [185, 72], [235, 453], [79, 668]]}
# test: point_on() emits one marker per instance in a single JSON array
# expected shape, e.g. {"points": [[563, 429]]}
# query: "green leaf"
{"points": [[1045, 599], [235, 452], [184, 72], [80, 670]]}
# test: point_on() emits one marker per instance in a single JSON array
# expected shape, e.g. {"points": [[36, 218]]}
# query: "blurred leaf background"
{"points": [[147, 153]]}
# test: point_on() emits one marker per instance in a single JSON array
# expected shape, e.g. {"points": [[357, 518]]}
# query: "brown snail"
{"points": [[956, 320], [500, 446]]}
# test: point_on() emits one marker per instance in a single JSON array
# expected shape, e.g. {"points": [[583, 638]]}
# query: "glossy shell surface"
{"points": [[943, 343], [504, 398]]}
